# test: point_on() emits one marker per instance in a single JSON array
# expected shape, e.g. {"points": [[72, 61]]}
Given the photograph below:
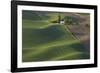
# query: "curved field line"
{"points": [[43, 49], [66, 55]]}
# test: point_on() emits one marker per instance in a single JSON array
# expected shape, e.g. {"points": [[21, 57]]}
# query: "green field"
{"points": [[46, 41]]}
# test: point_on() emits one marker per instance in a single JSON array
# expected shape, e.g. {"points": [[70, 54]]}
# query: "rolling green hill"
{"points": [[45, 41]]}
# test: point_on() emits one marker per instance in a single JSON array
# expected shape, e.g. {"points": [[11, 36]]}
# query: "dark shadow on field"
{"points": [[86, 43], [34, 15], [32, 37]]}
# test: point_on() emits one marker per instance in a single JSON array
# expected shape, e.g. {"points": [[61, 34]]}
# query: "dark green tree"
{"points": [[59, 18]]}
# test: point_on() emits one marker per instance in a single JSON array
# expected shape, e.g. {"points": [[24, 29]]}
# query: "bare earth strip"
{"points": [[81, 32]]}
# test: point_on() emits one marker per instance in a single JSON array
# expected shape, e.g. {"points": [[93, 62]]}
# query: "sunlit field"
{"points": [[48, 36]]}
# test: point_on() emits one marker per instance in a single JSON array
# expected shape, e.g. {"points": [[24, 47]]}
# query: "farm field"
{"points": [[43, 39]]}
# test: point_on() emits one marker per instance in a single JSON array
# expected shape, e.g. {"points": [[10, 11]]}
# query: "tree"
{"points": [[59, 18]]}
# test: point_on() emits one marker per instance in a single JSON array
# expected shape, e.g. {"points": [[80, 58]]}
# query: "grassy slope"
{"points": [[43, 41]]}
